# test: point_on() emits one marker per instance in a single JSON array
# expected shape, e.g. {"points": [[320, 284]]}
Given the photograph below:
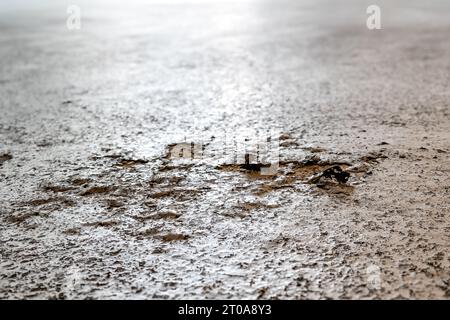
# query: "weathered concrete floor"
{"points": [[80, 221]]}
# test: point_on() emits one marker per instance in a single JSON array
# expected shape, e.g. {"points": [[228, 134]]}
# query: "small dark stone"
{"points": [[337, 173]]}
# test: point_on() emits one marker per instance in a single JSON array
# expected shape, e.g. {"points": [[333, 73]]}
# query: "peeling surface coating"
{"points": [[92, 206]]}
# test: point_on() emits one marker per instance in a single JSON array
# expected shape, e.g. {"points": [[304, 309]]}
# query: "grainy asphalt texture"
{"points": [[93, 206]]}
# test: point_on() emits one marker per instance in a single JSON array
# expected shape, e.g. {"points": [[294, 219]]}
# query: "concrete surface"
{"points": [[92, 207]]}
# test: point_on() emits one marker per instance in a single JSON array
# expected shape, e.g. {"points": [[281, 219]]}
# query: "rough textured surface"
{"points": [[91, 207]]}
